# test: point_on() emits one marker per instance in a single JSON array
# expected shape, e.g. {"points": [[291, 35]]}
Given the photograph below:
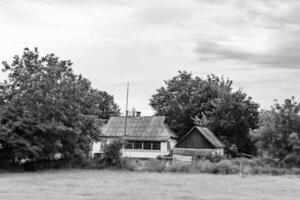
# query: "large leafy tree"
{"points": [[278, 135], [211, 102], [46, 109]]}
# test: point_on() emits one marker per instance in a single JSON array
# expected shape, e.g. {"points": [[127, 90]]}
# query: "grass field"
{"points": [[109, 184]]}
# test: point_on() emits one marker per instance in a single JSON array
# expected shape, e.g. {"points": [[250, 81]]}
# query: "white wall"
{"points": [[194, 152], [138, 153], [163, 148], [173, 142], [96, 147]]}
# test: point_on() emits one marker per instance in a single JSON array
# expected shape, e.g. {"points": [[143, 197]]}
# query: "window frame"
{"points": [[141, 145]]}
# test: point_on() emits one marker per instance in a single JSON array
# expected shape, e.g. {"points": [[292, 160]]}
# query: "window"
{"points": [[97, 155], [138, 145], [129, 145], [103, 144], [156, 145], [148, 145]]}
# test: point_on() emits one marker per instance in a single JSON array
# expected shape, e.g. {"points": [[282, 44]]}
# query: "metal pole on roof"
{"points": [[126, 115]]}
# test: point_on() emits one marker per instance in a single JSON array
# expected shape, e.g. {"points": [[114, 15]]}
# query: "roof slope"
{"points": [[208, 135], [138, 128]]}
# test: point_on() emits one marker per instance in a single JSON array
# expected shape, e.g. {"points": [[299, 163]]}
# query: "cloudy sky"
{"points": [[256, 43]]}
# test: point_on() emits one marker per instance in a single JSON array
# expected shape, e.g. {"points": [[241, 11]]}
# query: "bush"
{"points": [[154, 165], [129, 164], [227, 167], [203, 166], [295, 171], [292, 160], [234, 166], [269, 170], [112, 153], [215, 158], [178, 166]]}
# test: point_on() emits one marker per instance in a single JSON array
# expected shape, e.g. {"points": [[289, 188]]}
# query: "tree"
{"points": [[278, 135], [46, 109], [211, 102]]}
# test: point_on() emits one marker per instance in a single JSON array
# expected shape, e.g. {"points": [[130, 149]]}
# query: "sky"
{"points": [[255, 43]]}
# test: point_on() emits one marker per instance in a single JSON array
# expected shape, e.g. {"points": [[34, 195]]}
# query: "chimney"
{"points": [[138, 114]]}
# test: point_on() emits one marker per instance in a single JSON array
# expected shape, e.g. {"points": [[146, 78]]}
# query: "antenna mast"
{"points": [[126, 114]]}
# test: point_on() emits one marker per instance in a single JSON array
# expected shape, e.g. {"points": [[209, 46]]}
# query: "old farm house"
{"points": [[198, 141], [146, 137]]}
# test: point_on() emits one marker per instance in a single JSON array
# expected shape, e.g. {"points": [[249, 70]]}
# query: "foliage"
{"points": [[46, 110], [112, 153], [178, 166], [226, 167], [278, 135], [241, 166], [129, 164], [212, 157], [203, 166], [210, 102]]}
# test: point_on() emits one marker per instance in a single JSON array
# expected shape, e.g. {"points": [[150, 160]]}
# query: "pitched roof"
{"points": [[212, 138], [138, 128]]}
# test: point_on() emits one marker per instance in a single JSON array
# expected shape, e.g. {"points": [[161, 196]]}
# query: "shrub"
{"points": [[154, 165], [295, 171], [129, 164], [278, 171], [98, 163], [203, 166], [215, 158], [112, 153], [269, 170], [292, 160], [227, 167], [178, 166]]}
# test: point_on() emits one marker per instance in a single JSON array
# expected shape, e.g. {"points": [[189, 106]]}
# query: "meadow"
{"points": [[128, 185]]}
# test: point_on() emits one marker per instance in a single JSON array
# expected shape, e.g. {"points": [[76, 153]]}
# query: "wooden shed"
{"points": [[199, 141]]}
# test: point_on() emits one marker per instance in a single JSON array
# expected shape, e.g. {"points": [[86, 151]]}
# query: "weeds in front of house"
{"points": [[224, 166]]}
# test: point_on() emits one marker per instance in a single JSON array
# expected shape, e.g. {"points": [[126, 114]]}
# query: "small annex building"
{"points": [[199, 141], [146, 136]]}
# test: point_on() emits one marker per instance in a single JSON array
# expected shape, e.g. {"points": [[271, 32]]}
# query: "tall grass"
{"points": [[224, 166]]}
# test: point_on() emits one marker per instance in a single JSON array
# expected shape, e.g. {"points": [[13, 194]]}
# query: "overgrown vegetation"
{"points": [[47, 112], [112, 153], [225, 166], [209, 102], [278, 135]]}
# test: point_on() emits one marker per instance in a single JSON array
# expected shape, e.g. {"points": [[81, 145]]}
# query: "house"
{"points": [[146, 137], [198, 141]]}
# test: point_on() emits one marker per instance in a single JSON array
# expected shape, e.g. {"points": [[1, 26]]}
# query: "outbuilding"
{"points": [[199, 141]]}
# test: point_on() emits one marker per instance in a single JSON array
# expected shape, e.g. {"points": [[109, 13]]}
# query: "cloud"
{"points": [[287, 56], [165, 12], [270, 13], [150, 40], [271, 31]]}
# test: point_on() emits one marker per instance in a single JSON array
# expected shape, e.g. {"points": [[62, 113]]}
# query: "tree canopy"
{"points": [[278, 135], [46, 109], [210, 102]]}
